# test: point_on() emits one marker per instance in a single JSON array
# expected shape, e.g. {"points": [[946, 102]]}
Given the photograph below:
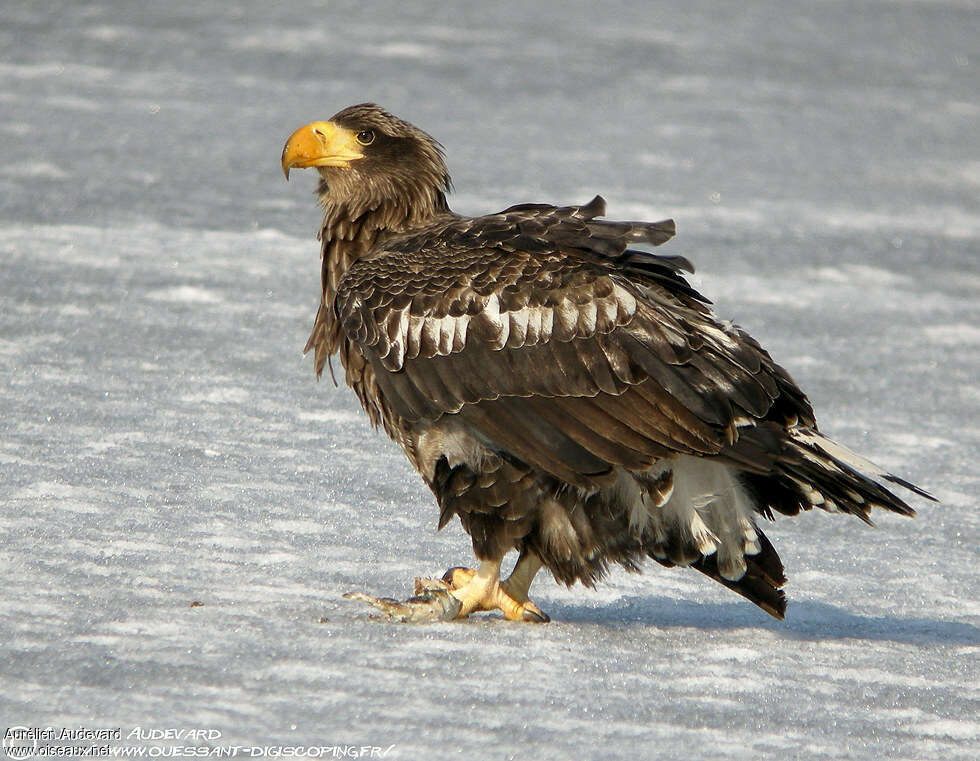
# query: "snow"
{"points": [[164, 442]]}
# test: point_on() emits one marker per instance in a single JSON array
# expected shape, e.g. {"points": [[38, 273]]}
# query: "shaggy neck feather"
{"points": [[352, 228]]}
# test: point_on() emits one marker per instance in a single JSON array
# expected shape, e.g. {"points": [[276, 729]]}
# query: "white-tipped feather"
{"points": [[461, 324], [533, 330], [627, 304], [447, 329], [518, 328], [547, 324], [587, 318]]}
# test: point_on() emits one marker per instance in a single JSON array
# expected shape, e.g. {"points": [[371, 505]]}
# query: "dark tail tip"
{"points": [[762, 580]]}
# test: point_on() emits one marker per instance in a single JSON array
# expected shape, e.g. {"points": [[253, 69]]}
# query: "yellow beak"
{"points": [[320, 144]]}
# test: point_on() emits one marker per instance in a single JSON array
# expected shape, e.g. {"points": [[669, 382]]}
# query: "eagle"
{"points": [[563, 391]]}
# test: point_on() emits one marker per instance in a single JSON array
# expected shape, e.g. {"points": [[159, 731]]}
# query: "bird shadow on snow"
{"points": [[805, 620]]}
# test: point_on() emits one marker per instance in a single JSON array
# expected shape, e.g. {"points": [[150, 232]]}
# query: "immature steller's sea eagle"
{"points": [[564, 394]]}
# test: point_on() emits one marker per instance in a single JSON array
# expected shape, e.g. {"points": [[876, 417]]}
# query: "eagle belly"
{"points": [[683, 510]]}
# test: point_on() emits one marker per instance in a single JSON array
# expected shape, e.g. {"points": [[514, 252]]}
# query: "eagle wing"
{"points": [[558, 343]]}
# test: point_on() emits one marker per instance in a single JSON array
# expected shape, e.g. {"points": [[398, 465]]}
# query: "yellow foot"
{"points": [[458, 593], [476, 593]]}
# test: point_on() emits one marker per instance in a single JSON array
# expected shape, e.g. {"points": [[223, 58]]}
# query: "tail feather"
{"points": [[908, 485], [761, 582], [834, 478], [811, 470], [784, 471]]}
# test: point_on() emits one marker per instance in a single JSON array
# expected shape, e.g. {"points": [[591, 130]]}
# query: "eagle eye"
{"points": [[365, 136]]}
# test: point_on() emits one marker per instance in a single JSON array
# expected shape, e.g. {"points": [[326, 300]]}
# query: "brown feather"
{"points": [[535, 368]]}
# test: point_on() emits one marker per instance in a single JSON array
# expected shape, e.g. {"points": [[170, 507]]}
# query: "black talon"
{"points": [[536, 616]]}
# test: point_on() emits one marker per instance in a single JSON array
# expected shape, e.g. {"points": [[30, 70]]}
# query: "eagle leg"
{"points": [[462, 591], [482, 589]]}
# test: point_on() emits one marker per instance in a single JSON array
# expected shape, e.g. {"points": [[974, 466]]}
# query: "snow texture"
{"points": [[163, 441]]}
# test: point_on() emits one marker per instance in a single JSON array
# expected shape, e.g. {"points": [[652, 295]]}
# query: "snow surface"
{"points": [[164, 442]]}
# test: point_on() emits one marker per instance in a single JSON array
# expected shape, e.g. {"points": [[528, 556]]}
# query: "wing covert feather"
{"points": [[543, 329]]}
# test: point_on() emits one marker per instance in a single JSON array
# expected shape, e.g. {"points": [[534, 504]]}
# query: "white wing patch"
{"points": [[402, 335]]}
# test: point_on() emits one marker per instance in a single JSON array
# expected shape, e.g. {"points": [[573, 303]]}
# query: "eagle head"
{"points": [[367, 158]]}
